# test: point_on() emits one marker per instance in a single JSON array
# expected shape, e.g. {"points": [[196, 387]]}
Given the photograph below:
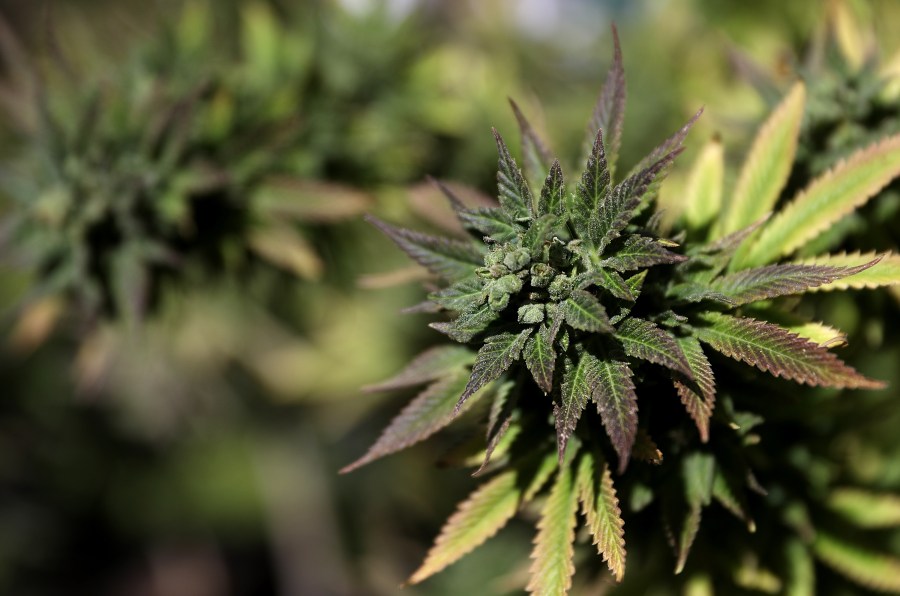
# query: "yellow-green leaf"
{"points": [[476, 519], [704, 187], [825, 201], [866, 509], [602, 512], [819, 333], [552, 566], [872, 570], [885, 272], [767, 166], [801, 572]]}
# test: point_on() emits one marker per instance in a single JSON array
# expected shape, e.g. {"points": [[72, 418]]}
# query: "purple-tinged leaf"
{"points": [[695, 292], [503, 410], [776, 350], [771, 281], [640, 252], [468, 324], [431, 364], [536, 157], [609, 111], [451, 196], [429, 412], [553, 193], [449, 259], [699, 395], [616, 400], [584, 312], [607, 279], [495, 356], [593, 191], [884, 272], [513, 191], [670, 145], [600, 506], [643, 339], [489, 221], [476, 519], [579, 379], [462, 296], [540, 358]]}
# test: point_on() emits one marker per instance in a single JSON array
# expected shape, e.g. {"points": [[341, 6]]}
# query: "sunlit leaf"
{"points": [[771, 281], [704, 187], [884, 272], [552, 566], [866, 509]]}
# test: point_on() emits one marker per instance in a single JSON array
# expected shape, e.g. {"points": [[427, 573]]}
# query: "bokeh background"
{"points": [[192, 450]]}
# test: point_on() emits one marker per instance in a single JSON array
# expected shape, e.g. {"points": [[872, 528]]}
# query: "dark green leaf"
{"points": [[489, 221], [540, 358], [608, 280], [699, 395], [639, 252], [583, 311], [462, 296], [643, 339], [616, 400], [578, 382], [553, 193], [468, 324], [495, 356], [515, 196], [593, 191]]}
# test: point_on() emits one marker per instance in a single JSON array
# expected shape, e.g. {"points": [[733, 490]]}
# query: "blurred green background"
{"points": [[193, 449]]}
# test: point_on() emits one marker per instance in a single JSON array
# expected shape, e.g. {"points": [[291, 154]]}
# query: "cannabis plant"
{"points": [[578, 324]]}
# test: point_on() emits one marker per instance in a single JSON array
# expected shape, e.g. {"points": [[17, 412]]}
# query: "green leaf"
{"points": [[429, 412], [536, 156], [468, 324], [490, 222], [476, 519], [552, 566], [775, 350], [643, 339], [866, 509], [578, 382], [449, 259], [682, 536], [872, 570], [883, 272], [513, 191], [609, 112], [699, 471], [771, 281], [593, 191], [824, 202], [801, 576], [583, 311], [540, 358], [431, 364], [767, 166], [503, 412], [723, 492], [541, 230], [704, 186], [495, 356], [553, 193], [639, 252], [819, 333], [607, 279], [602, 513], [463, 296], [699, 395], [616, 400]]}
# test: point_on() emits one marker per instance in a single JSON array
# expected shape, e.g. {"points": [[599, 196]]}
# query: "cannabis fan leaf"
{"points": [[578, 300]]}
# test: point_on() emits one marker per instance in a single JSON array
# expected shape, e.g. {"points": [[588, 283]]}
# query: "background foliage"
{"points": [[194, 449]]}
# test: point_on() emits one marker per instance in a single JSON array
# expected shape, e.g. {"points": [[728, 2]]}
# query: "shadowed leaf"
{"points": [[775, 350], [699, 395], [602, 513], [616, 400], [552, 566], [476, 519], [607, 279], [449, 259], [495, 356]]}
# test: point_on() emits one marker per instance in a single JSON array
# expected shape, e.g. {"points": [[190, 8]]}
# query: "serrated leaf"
{"points": [[768, 164], [495, 356], [639, 252], [775, 350], [552, 566], [670, 146], [513, 191], [643, 339], [583, 311], [431, 364], [696, 292], [541, 230], [616, 399], [462, 296], [449, 259], [592, 191], [609, 111], [723, 492], [699, 395], [536, 156], [825, 201], [553, 193], [885, 272], [540, 358], [455, 202], [872, 570], [542, 473], [430, 411], [578, 382], [772, 281], [866, 509], [704, 187], [489, 221], [607, 279], [602, 513], [476, 519]]}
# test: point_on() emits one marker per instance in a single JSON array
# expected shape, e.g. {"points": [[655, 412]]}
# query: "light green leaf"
{"points": [[704, 187], [801, 576], [872, 570], [819, 333], [885, 272], [552, 566], [824, 202], [866, 509], [602, 513], [767, 166], [476, 519]]}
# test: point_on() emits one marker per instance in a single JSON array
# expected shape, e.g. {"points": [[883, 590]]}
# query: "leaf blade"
{"points": [[552, 566], [699, 395], [512, 188], [616, 399], [643, 339], [495, 356], [603, 515]]}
